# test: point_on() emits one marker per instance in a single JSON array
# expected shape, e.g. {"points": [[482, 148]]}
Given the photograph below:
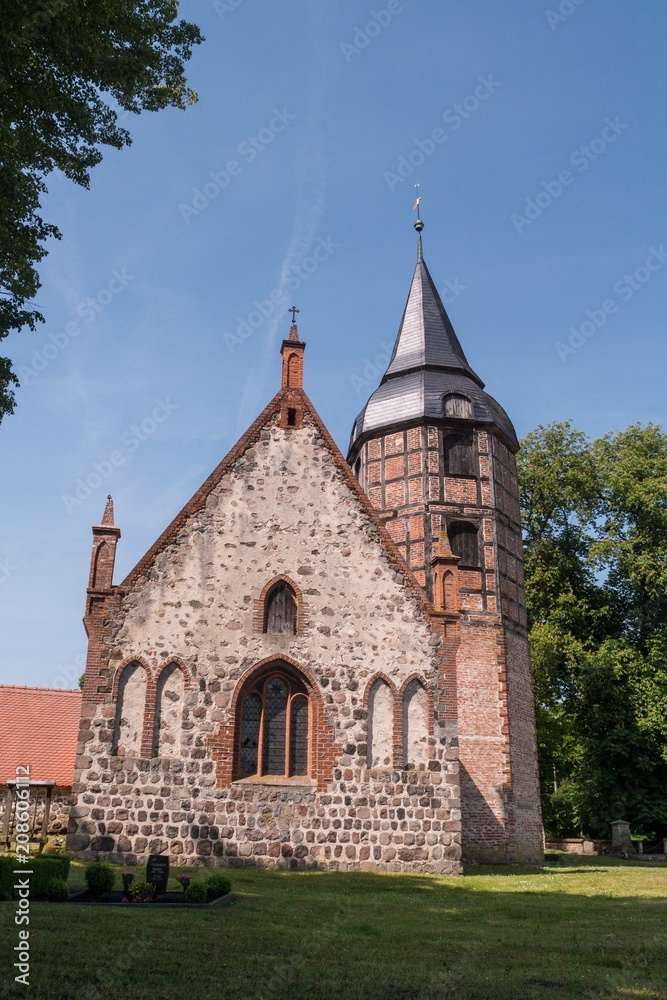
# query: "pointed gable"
{"points": [[281, 460]]}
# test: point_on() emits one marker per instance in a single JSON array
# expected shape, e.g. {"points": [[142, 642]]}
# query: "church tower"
{"points": [[435, 454]]}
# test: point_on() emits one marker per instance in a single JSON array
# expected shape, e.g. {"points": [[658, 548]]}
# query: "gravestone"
{"points": [[157, 871], [620, 834]]}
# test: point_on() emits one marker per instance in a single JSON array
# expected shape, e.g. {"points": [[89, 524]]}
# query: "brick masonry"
{"points": [[403, 473], [283, 504]]}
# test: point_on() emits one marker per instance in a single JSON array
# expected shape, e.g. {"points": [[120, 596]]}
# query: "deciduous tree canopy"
{"points": [[595, 522], [67, 68]]}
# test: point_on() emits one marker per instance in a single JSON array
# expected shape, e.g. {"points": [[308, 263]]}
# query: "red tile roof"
{"points": [[39, 727]]}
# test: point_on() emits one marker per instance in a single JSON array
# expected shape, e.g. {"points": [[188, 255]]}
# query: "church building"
{"points": [[323, 662]]}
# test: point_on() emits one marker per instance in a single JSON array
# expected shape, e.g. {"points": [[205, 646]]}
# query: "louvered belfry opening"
{"points": [[464, 541], [280, 610], [459, 455], [273, 727]]}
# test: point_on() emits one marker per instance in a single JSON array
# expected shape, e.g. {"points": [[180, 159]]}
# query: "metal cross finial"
{"points": [[415, 207], [294, 311]]}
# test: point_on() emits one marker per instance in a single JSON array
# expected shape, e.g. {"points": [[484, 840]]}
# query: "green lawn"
{"points": [[580, 928]]}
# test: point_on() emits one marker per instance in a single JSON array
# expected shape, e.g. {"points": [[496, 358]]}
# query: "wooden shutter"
{"points": [[459, 459], [464, 542], [459, 406], [280, 614]]}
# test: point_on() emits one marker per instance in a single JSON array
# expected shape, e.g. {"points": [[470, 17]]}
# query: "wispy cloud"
{"points": [[311, 183]]}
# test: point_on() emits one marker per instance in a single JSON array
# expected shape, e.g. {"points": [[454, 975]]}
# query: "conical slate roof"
{"points": [[426, 336], [427, 364]]}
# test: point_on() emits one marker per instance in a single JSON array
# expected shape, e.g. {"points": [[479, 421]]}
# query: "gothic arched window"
{"points": [[280, 610], [464, 542], [459, 458], [273, 730]]}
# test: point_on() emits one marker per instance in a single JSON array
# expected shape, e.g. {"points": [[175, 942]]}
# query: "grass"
{"points": [[579, 929]]}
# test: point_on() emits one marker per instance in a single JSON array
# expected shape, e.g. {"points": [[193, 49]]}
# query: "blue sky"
{"points": [[537, 133]]}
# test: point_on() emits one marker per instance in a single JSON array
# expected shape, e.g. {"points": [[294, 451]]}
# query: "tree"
{"points": [[595, 526], [633, 543], [67, 68]]}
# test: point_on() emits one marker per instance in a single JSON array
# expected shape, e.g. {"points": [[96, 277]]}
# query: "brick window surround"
{"points": [[260, 608], [323, 753]]}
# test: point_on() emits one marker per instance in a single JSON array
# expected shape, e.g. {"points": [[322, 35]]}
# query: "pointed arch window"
{"points": [[463, 538], [459, 457], [274, 727]]}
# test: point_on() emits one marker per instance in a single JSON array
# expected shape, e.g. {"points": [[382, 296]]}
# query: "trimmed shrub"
{"points": [[196, 893], [100, 878], [217, 885], [57, 891]]}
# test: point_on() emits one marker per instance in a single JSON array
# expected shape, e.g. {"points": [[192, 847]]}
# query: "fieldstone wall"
{"points": [[393, 820], [61, 799], [286, 506]]}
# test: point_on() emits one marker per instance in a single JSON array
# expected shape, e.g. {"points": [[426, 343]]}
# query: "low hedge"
{"points": [[45, 869], [7, 877]]}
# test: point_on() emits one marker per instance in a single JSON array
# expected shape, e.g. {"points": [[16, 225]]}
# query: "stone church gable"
{"points": [[277, 575]]}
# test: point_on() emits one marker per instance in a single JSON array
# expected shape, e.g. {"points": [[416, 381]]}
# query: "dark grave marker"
{"points": [[157, 871]]}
